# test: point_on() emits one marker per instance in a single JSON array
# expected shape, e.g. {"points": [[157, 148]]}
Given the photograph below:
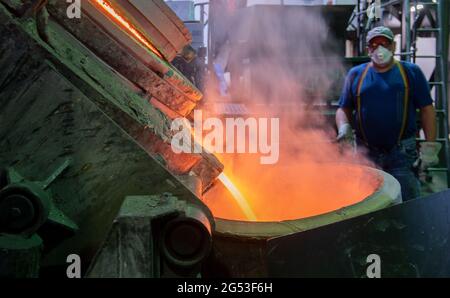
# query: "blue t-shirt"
{"points": [[382, 101]]}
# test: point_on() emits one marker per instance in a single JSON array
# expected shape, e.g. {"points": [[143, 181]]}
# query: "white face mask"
{"points": [[381, 56]]}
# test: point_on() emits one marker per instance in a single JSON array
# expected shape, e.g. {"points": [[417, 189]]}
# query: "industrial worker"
{"points": [[380, 99]]}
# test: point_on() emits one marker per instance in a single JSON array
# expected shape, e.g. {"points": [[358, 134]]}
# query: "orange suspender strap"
{"points": [[358, 103], [405, 100]]}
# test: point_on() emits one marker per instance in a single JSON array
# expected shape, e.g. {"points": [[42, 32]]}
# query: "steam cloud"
{"points": [[282, 61]]}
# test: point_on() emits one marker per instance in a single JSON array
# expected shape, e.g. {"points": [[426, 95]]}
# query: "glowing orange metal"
{"points": [[125, 24]]}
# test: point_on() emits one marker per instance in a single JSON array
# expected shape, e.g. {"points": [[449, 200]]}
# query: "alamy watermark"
{"points": [[74, 9], [74, 268], [231, 135], [374, 269]]}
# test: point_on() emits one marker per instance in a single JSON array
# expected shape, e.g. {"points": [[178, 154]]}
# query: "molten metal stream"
{"points": [[238, 197], [125, 24]]}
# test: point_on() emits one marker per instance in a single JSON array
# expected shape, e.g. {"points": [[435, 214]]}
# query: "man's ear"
{"points": [[393, 46]]}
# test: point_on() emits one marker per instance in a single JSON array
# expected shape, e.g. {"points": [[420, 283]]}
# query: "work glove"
{"points": [[345, 134], [428, 154]]}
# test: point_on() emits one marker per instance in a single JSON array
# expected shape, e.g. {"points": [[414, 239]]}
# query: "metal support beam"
{"points": [[406, 30], [442, 49]]}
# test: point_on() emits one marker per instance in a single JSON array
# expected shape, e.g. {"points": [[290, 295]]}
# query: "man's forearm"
{"points": [[428, 120]]}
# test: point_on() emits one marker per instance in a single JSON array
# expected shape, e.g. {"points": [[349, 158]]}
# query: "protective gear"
{"points": [[345, 134], [380, 31], [428, 154], [381, 56]]}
